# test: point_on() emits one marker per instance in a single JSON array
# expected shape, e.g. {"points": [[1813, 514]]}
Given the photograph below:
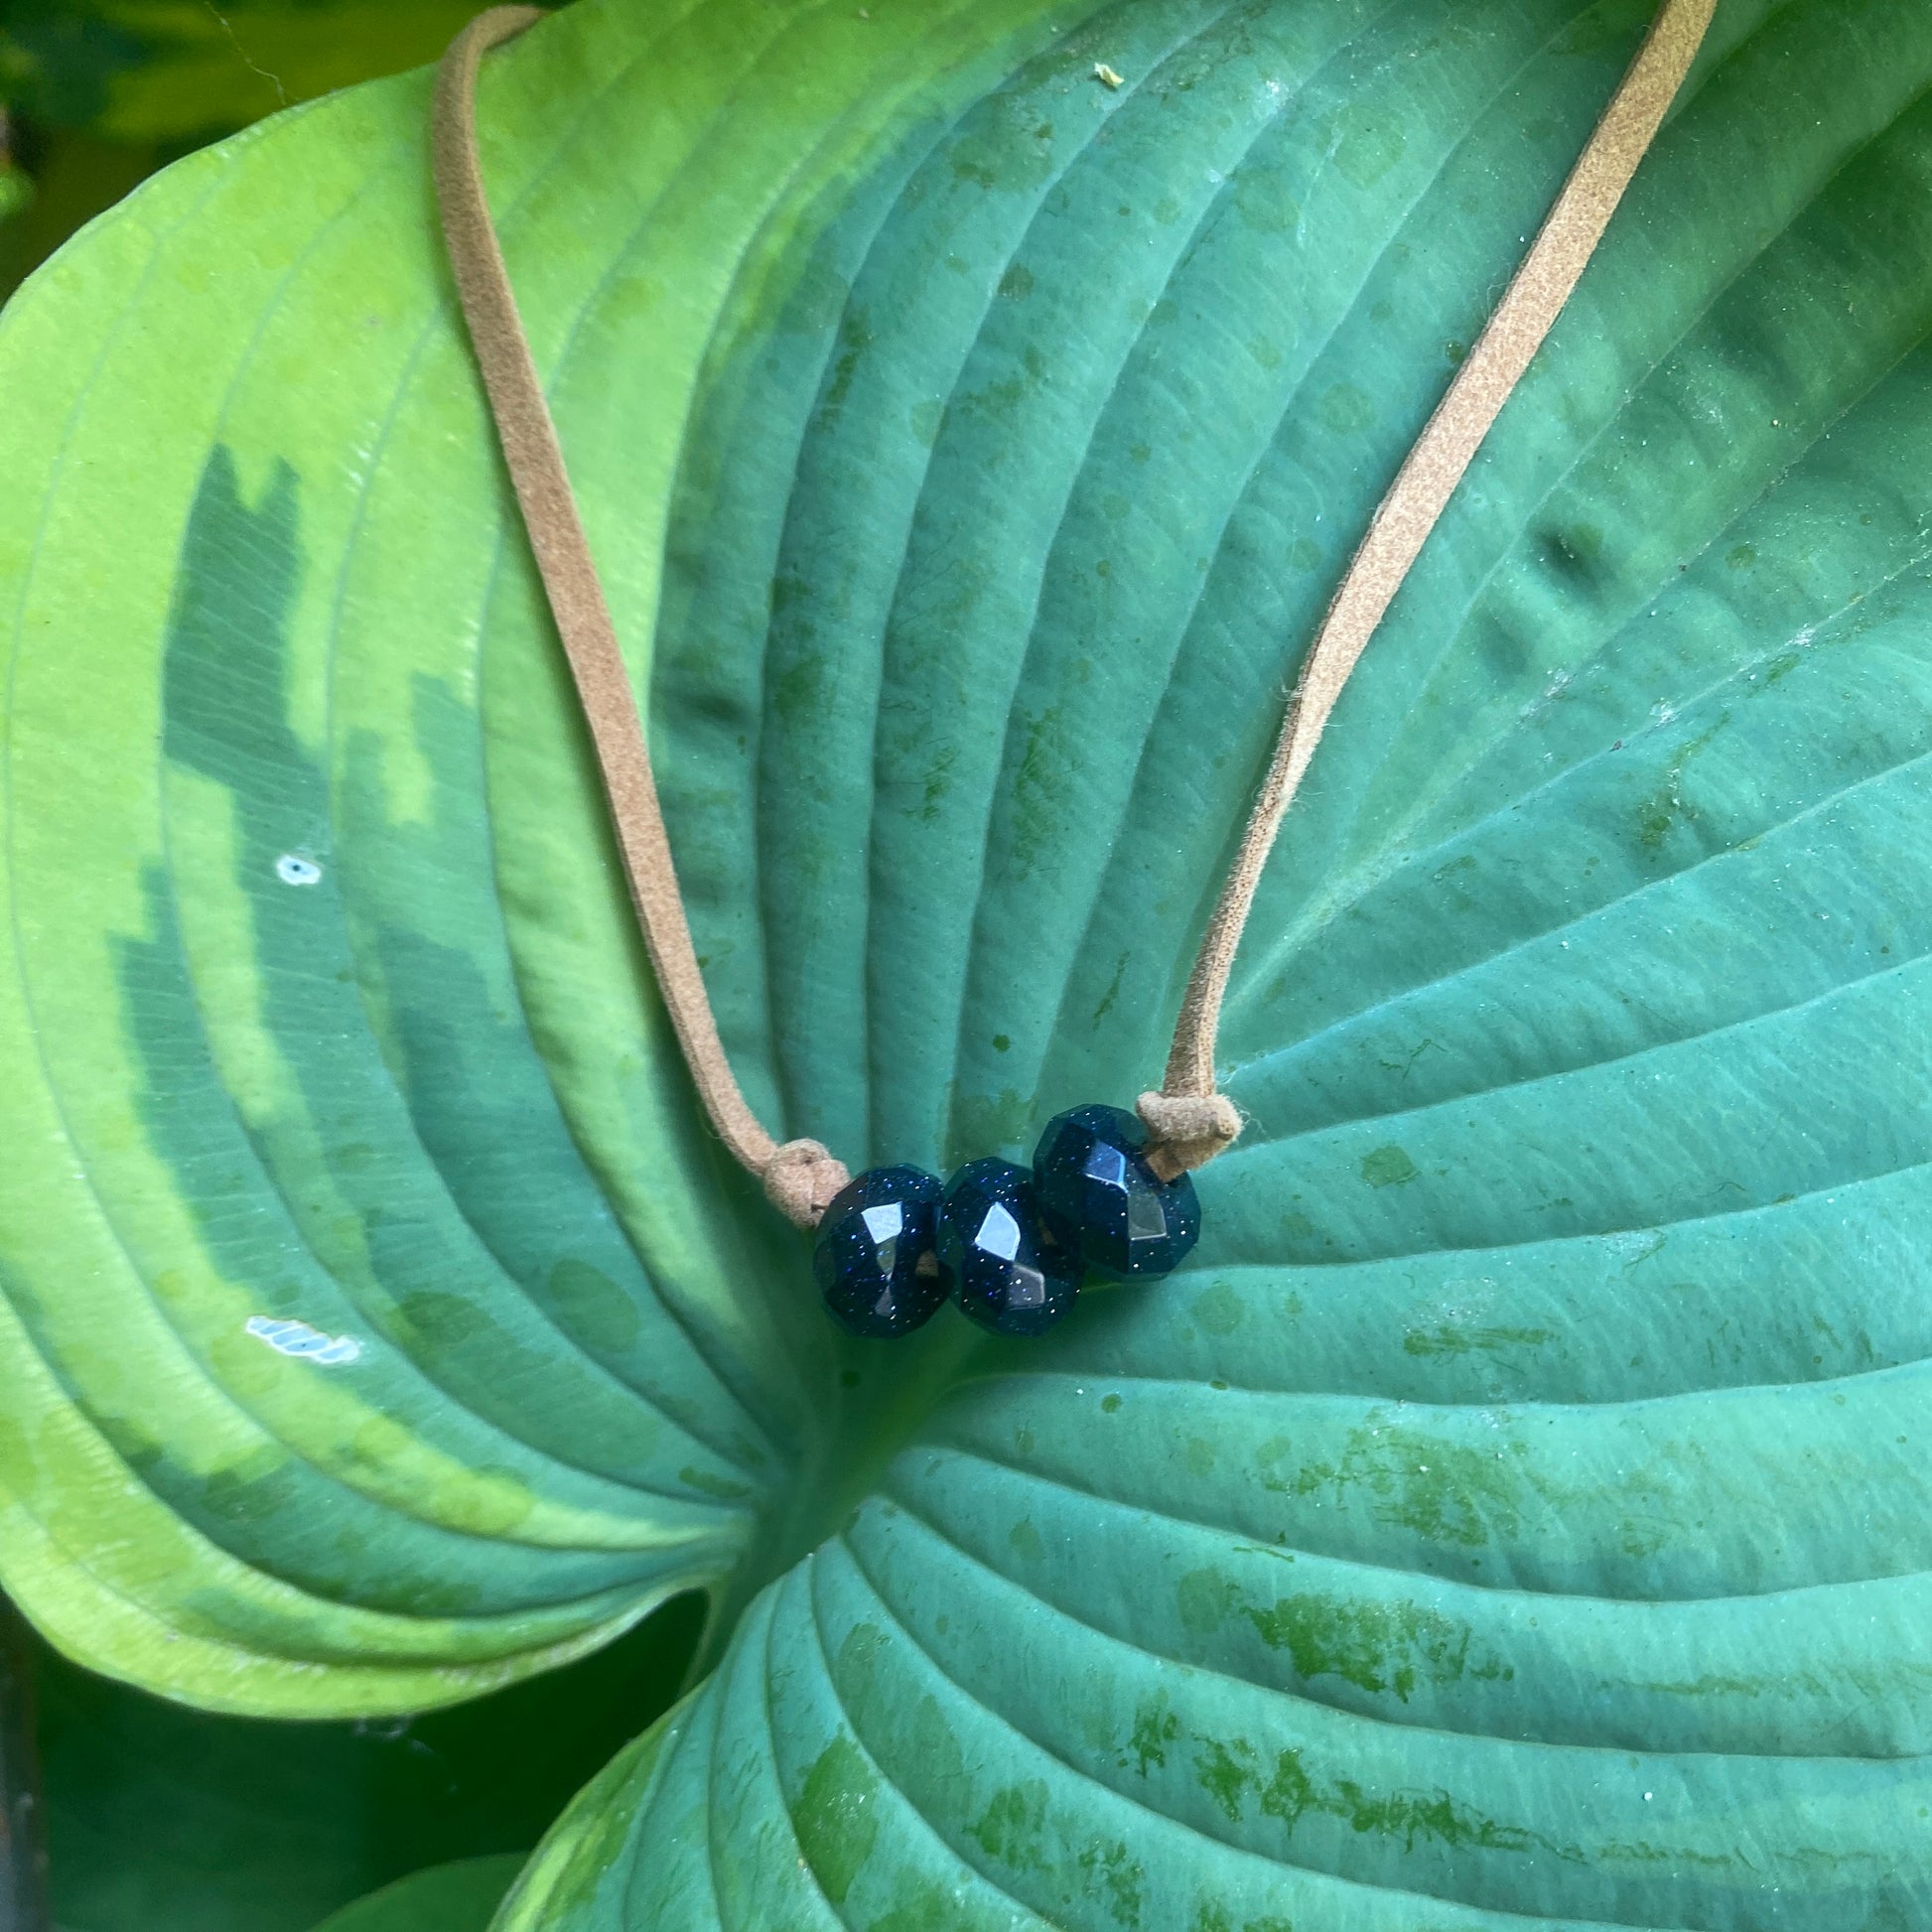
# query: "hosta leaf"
{"points": [[1516, 1512]]}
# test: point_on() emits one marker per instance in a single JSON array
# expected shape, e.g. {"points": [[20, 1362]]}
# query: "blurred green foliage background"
{"points": [[161, 1818], [96, 95]]}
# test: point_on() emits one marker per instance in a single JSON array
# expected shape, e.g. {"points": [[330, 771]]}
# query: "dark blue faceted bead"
{"points": [[1011, 1275], [867, 1254], [1098, 1195]]}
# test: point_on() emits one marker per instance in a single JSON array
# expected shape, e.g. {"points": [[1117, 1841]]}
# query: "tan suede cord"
{"points": [[800, 1176], [1189, 1122]]}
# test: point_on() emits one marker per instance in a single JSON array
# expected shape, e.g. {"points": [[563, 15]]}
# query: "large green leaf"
{"points": [[1517, 1512]]}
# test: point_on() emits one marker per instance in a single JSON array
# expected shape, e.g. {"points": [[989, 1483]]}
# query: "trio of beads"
{"points": [[1008, 1244]]}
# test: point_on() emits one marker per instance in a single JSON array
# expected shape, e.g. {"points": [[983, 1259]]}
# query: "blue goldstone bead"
{"points": [[1099, 1197], [867, 1252], [1011, 1275]]}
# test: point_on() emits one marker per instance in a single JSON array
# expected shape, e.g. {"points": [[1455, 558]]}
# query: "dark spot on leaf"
{"points": [[837, 1819], [1388, 1167], [1012, 1828]]}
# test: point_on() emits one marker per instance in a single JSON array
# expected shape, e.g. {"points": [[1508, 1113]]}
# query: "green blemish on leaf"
{"points": [[1304, 554], [837, 1819], [1205, 1599], [1001, 1042], [1667, 807], [1345, 410], [1000, 145], [858, 1667], [1443, 1491], [1379, 1648], [1388, 1167], [801, 691], [1109, 1404], [1123, 1880], [1197, 1457], [1017, 283], [937, 783], [1218, 1310], [1212, 1915], [931, 1740], [1154, 1729], [1013, 1827], [920, 1907], [1410, 1815], [1112, 993], [985, 1122], [492, 1502], [1048, 754], [855, 337], [1290, 1792], [721, 1487], [592, 1307], [1026, 1540], [1370, 143], [432, 1324], [1447, 1340], [1224, 1776]]}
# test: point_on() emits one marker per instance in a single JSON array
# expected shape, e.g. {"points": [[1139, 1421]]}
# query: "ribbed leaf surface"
{"points": [[1517, 1512]]}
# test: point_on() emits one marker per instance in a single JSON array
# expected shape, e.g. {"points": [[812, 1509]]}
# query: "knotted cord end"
{"points": [[800, 1179], [1186, 1130]]}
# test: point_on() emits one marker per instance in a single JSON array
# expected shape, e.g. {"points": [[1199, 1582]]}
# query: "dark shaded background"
{"points": [[96, 94], [161, 1818]]}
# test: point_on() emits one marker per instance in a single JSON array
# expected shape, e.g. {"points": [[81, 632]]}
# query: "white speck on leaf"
{"points": [[293, 870], [288, 1337]]}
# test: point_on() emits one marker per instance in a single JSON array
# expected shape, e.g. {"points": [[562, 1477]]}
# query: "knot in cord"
{"points": [[1187, 1129], [801, 1177]]}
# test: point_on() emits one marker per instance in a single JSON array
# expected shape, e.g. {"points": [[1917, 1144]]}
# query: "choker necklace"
{"points": [[1109, 1190]]}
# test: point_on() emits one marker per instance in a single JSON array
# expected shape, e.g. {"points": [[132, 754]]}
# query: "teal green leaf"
{"points": [[1517, 1511]]}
